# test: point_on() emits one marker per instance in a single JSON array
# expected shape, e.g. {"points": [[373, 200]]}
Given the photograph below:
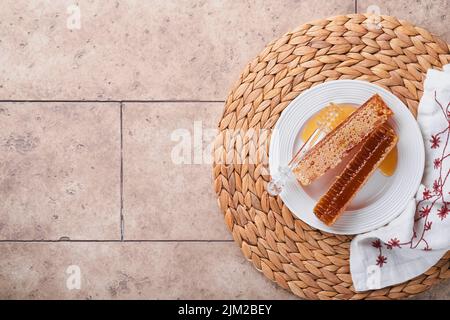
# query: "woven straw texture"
{"points": [[384, 50]]}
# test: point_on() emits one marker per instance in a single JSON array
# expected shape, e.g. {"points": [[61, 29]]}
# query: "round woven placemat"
{"points": [[384, 50]]}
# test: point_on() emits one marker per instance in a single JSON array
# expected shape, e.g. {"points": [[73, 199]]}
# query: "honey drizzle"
{"points": [[389, 164]]}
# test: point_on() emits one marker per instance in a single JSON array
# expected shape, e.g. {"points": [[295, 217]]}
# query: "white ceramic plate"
{"points": [[382, 198]]}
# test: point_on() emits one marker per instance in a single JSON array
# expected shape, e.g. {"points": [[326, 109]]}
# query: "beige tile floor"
{"points": [[90, 119]]}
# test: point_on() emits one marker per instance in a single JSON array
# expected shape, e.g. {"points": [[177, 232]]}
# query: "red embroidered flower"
{"points": [[426, 194], [428, 225], [443, 212], [435, 140], [381, 260], [437, 163], [437, 187], [425, 211], [393, 243], [376, 244]]}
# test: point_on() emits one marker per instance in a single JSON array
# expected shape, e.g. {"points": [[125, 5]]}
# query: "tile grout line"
{"points": [[121, 174], [356, 6]]}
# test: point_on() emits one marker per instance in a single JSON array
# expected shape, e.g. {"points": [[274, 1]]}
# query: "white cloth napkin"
{"points": [[420, 236]]}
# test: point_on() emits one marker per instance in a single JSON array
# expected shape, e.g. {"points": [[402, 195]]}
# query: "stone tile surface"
{"points": [[430, 14], [143, 50], [59, 169], [139, 271], [60, 162], [132, 271], [168, 186], [440, 291]]}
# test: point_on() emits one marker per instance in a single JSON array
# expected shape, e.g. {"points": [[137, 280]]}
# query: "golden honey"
{"points": [[355, 174], [389, 164]]}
